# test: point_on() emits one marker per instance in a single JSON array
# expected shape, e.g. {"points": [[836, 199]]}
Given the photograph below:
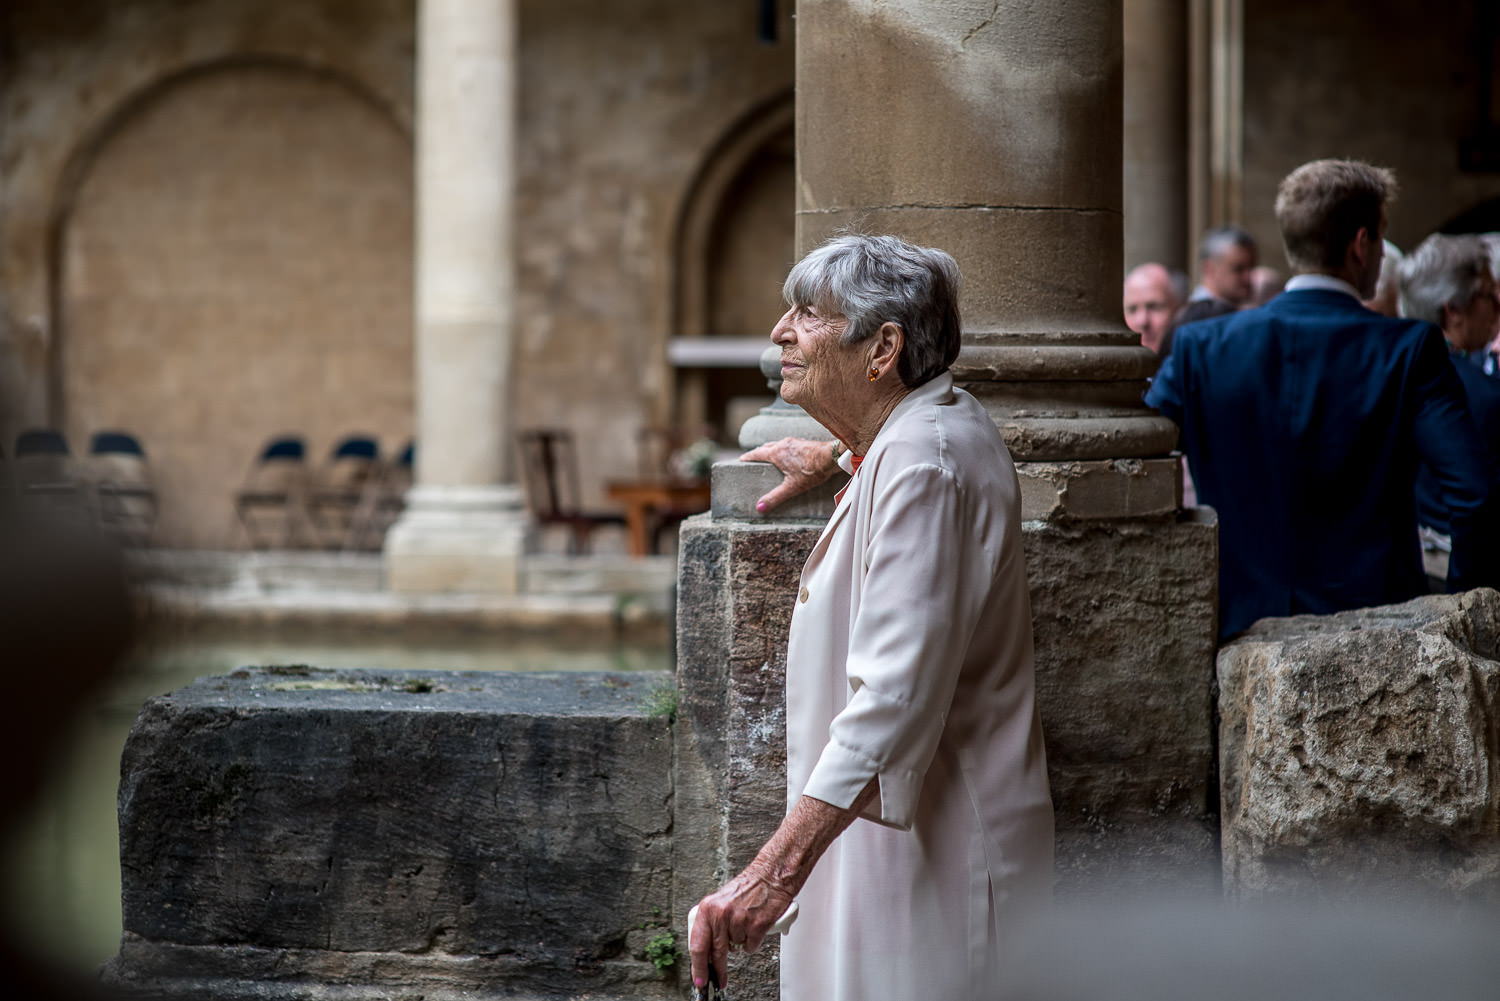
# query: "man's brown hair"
{"points": [[1321, 205]]}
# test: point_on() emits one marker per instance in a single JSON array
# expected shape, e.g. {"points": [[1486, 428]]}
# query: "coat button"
{"points": [[802, 596]]}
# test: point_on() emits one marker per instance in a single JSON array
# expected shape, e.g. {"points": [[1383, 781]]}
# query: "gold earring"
{"points": [[874, 373]]}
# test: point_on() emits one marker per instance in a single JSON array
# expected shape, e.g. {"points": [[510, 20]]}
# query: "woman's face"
{"points": [[819, 374]]}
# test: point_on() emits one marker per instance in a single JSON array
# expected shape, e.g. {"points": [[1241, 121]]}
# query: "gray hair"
{"points": [[1492, 243], [1218, 240], [1390, 266], [874, 280], [1442, 271]]}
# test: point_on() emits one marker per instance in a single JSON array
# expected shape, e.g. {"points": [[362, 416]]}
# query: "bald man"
{"points": [[1150, 302]]}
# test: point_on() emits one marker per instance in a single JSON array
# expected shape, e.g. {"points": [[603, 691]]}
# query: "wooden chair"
{"points": [[381, 502], [274, 493], [337, 488], [46, 477], [550, 464], [125, 498]]}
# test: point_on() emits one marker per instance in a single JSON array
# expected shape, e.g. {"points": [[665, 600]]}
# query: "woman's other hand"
{"points": [[738, 914], [803, 464]]}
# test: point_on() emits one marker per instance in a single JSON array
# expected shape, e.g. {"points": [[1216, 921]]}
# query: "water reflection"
{"points": [[63, 860]]}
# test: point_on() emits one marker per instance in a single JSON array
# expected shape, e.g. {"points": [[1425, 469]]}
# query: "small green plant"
{"points": [[418, 686], [661, 701], [662, 951]]}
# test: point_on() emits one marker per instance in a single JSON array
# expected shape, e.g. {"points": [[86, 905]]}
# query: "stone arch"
{"points": [[229, 256], [752, 161]]}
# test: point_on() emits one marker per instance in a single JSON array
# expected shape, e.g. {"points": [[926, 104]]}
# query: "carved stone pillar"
{"points": [[465, 524], [1156, 137]]}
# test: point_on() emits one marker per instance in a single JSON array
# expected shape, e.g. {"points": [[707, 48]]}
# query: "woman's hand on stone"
{"points": [[803, 464], [736, 915]]}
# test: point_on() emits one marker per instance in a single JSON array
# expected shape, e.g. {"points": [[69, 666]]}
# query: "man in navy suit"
{"points": [[1304, 422]]}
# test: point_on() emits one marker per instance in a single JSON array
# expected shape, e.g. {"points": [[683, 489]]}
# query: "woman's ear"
{"points": [[889, 340]]}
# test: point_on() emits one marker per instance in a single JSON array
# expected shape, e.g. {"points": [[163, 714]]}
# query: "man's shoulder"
{"points": [[1325, 309], [1309, 325]]}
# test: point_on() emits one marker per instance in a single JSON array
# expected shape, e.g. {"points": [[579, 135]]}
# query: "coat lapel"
{"points": [[840, 512]]}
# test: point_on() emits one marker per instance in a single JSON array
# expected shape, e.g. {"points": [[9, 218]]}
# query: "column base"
{"points": [[1100, 488], [458, 539]]}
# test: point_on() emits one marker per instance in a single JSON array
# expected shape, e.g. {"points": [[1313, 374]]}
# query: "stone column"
{"points": [[994, 132], [464, 527], [991, 130], [1216, 45], [1156, 137]]}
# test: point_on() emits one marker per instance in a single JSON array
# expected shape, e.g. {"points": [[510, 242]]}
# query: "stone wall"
{"points": [[178, 206], [1390, 82]]}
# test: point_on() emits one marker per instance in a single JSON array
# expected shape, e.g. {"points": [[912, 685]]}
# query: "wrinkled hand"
{"points": [[740, 912], [804, 464]]}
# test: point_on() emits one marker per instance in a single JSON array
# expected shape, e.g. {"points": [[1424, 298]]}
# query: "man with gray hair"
{"points": [[1304, 422], [1448, 281], [1227, 259]]}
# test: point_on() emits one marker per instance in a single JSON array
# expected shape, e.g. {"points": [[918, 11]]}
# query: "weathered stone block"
{"points": [[1359, 752], [736, 587], [1106, 488], [474, 831], [738, 485], [1124, 622], [1123, 616]]}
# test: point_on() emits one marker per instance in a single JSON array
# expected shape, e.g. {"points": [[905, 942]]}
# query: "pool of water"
{"points": [[62, 864]]}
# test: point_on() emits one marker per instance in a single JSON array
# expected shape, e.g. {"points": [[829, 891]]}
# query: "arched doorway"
{"points": [[735, 245], [235, 261]]}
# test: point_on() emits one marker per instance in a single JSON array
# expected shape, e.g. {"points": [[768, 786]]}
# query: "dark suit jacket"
{"points": [[1304, 422], [1483, 392]]}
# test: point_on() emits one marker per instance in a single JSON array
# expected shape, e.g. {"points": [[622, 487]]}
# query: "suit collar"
{"points": [[1320, 299], [1322, 283]]}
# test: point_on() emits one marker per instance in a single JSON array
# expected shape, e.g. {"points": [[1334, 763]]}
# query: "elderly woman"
{"points": [[920, 821]]}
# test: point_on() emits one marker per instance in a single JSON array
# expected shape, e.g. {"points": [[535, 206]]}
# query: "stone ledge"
{"points": [[247, 973], [738, 485], [1096, 489]]}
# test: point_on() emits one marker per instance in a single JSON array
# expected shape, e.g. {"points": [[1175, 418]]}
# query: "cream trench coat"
{"points": [[910, 660]]}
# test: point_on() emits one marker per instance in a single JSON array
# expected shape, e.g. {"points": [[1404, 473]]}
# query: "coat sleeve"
{"points": [[930, 564], [1461, 466], [1166, 392]]}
